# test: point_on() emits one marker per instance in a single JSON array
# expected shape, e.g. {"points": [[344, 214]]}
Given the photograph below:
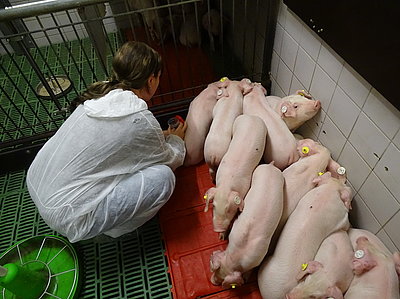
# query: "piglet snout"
{"points": [[220, 225], [317, 104]]}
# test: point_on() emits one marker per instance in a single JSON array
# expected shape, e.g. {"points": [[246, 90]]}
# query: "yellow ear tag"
{"points": [[304, 267], [223, 79], [305, 150], [205, 196], [233, 285], [320, 173], [301, 93]]}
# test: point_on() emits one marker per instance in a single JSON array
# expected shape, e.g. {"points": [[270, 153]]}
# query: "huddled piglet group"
{"points": [[282, 202]]}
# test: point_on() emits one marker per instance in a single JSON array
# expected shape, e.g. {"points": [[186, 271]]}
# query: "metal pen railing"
{"points": [[53, 50]]}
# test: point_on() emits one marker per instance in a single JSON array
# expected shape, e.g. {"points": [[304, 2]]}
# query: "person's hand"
{"points": [[179, 131], [165, 132]]}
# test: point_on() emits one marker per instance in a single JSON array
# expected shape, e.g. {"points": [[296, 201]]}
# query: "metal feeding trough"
{"points": [[57, 85], [39, 267]]}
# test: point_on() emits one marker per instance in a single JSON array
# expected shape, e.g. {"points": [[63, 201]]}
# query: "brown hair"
{"points": [[132, 65]]}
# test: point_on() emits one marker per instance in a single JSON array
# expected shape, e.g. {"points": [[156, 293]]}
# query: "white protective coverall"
{"points": [[108, 169]]}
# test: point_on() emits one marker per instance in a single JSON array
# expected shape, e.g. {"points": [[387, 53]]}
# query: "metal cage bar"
{"points": [[50, 51]]}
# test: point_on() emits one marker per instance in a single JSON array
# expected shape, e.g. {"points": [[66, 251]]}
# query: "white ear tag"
{"points": [[341, 170], [283, 109], [359, 254], [237, 200]]}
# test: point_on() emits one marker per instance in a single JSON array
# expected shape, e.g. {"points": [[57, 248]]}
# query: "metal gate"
{"points": [[52, 50]]}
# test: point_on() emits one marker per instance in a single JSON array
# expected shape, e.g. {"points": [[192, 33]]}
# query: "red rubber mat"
{"points": [[190, 240], [186, 72]]}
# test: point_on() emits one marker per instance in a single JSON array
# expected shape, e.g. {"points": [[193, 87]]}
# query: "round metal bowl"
{"points": [[60, 86], [52, 259]]}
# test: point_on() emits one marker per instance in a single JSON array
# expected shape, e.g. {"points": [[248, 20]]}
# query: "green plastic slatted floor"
{"points": [[19, 81], [130, 267]]}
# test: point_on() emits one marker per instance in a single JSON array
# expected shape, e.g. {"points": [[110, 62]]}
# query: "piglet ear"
{"points": [[241, 206], [223, 82], [208, 197], [287, 110], [238, 202], [304, 93], [322, 176], [262, 88], [334, 292], [246, 86], [233, 280], [396, 259], [222, 92], [302, 275], [317, 180], [332, 165], [345, 196], [337, 171], [215, 260], [308, 268], [363, 264]]}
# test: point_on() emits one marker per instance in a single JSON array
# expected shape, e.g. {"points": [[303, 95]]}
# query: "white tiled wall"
{"points": [[358, 125]]}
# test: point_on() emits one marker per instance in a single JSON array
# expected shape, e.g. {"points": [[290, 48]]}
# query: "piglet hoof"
{"points": [[363, 261], [222, 236], [215, 260], [358, 267], [214, 280]]}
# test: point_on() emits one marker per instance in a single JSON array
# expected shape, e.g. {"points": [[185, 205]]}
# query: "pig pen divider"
{"points": [[50, 51], [61, 47]]}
